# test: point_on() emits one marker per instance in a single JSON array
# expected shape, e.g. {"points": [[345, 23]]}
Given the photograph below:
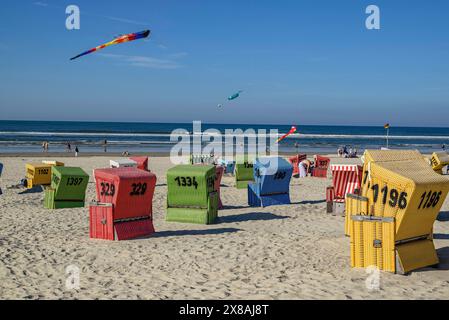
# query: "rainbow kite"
{"points": [[292, 130], [121, 39]]}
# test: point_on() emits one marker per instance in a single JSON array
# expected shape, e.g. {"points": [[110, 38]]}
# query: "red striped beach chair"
{"points": [[345, 179], [295, 160], [321, 166]]}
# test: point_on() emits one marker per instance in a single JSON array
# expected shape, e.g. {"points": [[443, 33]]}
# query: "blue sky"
{"points": [[303, 62]]}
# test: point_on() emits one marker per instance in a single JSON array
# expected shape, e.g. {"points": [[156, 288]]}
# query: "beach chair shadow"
{"points": [[443, 216], [310, 202], [233, 207], [443, 255], [181, 233], [252, 216], [36, 189]]}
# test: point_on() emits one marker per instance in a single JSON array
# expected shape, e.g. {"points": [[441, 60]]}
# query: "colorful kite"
{"points": [[121, 39], [235, 95], [232, 97], [292, 130]]}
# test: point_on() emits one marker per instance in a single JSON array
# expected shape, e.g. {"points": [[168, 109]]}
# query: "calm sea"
{"points": [[27, 136]]}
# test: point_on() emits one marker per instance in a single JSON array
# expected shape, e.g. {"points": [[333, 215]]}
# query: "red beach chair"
{"points": [[345, 179], [124, 204], [321, 166], [142, 162], [295, 160], [219, 170]]}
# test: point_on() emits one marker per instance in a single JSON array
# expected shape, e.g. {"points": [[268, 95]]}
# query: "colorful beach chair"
{"points": [[39, 174], [345, 179], [229, 165], [272, 182], [202, 159], [391, 227], [122, 163], [295, 161], [124, 206], [67, 189], [244, 173], [439, 160], [377, 156], [142, 162], [321, 166], [191, 194]]}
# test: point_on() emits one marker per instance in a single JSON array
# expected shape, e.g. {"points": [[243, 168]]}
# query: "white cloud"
{"points": [[178, 55], [129, 21], [143, 61], [40, 3]]}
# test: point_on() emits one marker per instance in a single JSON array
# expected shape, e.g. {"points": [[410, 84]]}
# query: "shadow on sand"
{"points": [[252, 216], [35, 189], [181, 233]]}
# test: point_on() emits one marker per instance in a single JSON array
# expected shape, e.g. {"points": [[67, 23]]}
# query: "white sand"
{"points": [[293, 251]]}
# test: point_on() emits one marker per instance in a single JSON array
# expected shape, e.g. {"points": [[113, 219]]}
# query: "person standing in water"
{"points": [[76, 151], [105, 145]]}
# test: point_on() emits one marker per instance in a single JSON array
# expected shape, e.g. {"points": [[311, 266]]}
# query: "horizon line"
{"points": [[227, 123]]}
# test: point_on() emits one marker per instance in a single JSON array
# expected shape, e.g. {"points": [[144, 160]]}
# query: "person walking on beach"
{"points": [[76, 151], [46, 146], [43, 146]]}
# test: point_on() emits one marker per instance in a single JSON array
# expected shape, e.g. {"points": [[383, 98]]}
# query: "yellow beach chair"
{"points": [[391, 225], [39, 173], [439, 160]]}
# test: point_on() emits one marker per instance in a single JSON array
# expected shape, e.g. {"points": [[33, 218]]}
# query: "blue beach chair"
{"points": [[272, 182], [229, 165]]}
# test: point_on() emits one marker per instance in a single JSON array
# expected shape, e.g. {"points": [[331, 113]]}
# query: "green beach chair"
{"points": [[244, 172], [67, 189], [192, 197]]}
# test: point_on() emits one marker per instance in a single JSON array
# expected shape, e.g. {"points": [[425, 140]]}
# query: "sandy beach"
{"points": [[294, 251]]}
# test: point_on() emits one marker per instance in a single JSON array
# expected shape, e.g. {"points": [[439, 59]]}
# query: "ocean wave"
{"points": [[268, 135]]}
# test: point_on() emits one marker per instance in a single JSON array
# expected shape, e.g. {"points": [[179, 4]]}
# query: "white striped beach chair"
{"points": [[345, 179]]}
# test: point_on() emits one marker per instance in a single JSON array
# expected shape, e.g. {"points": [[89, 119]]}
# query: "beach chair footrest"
{"points": [[103, 225]]}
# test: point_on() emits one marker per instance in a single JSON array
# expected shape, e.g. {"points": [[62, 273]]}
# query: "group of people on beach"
{"points": [[45, 145], [347, 153], [68, 147]]}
